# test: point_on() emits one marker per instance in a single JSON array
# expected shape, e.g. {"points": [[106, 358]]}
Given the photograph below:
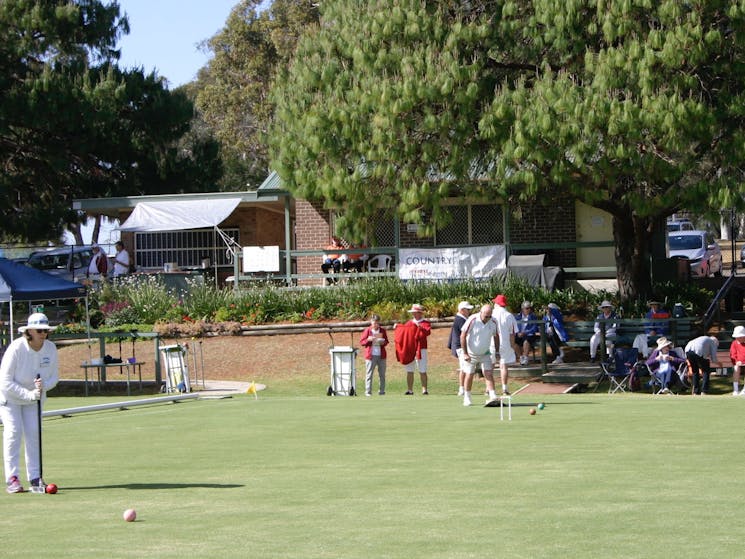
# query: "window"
{"points": [[472, 225], [186, 248]]}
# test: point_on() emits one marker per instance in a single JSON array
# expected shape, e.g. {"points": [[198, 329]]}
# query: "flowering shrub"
{"points": [[144, 300]]}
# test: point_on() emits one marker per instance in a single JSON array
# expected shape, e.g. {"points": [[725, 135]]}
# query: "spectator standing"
{"points": [[411, 347], [701, 354], [477, 337], [98, 267], [555, 332], [454, 343], [527, 331], [506, 329], [374, 339], [602, 323], [28, 357], [121, 260], [737, 355]]}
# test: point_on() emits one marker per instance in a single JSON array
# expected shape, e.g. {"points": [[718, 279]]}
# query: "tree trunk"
{"points": [[632, 236]]}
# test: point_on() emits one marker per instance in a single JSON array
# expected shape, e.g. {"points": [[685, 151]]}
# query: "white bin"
{"points": [[343, 374]]}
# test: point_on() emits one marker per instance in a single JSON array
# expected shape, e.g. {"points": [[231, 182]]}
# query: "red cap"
{"points": [[500, 300]]}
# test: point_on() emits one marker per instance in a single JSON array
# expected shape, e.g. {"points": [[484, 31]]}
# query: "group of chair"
{"points": [[625, 365]]}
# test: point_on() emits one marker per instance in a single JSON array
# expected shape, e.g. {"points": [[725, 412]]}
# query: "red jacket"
{"points": [[737, 352], [368, 345], [411, 339]]}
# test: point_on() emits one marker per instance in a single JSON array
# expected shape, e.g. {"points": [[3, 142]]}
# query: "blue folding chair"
{"points": [[618, 370]]}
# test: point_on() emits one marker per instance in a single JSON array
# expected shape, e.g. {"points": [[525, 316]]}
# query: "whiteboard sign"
{"points": [[261, 259]]}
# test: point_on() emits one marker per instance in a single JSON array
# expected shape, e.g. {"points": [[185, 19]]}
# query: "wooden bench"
{"points": [[680, 330]]}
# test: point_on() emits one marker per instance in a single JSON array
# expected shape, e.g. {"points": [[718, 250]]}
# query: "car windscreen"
{"points": [[685, 242]]}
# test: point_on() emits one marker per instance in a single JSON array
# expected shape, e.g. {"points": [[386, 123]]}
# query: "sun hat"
{"points": [[36, 321], [605, 304], [464, 305], [416, 308], [526, 305], [663, 342], [500, 300], [739, 332]]}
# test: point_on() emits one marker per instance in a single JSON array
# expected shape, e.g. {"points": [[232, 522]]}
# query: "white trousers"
{"points": [[20, 422], [595, 343]]}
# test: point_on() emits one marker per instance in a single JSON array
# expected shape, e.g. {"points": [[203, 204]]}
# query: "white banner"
{"points": [[451, 263], [261, 259]]}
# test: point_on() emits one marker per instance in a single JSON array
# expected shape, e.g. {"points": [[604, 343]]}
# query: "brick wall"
{"points": [[537, 223], [312, 232]]}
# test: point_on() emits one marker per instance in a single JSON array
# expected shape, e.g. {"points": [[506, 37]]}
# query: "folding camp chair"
{"points": [[618, 370], [679, 376]]}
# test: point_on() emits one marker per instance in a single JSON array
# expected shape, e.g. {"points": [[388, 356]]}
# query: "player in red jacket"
{"points": [[411, 347]]}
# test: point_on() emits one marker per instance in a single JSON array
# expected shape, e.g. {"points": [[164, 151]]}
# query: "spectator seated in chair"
{"points": [[656, 326], [332, 259], [354, 262]]}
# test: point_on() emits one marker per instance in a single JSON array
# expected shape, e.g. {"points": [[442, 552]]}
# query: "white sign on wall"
{"points": [[451, 263], [261, 259]]}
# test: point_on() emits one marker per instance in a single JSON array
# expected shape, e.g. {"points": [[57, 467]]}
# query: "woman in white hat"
{"points": [[663, 363], [737, 355], [28, 369], [604, 321]]}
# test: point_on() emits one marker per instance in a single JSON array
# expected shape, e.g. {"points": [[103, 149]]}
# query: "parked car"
{"points": [[70, 262], [679, 225], [700, 248]]}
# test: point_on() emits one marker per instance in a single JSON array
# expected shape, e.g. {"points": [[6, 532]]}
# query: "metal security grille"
{"points": [[384, 231], [472, 225], [186, 248]]}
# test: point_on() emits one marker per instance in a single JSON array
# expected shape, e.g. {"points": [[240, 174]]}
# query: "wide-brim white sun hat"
{"points": [[416, 308], [663, 342], [739, 332], [37, 321]]}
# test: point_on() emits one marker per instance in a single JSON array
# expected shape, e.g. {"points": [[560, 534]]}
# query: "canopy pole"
{"points": [[11, 317]]}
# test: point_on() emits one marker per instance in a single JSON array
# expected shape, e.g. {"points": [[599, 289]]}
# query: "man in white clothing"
{"points": [[476, 337], [121, 260], [506, 330]]}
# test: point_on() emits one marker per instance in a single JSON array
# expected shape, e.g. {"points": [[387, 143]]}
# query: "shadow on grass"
{"points": [[138, 486]]}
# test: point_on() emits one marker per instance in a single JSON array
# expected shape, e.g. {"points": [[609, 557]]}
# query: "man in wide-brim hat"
{"points": [[411, 347]]}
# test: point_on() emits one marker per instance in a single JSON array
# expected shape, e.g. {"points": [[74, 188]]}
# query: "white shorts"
{"points": [[462, 365], [506, 356], [417, 364], [482, 361]]}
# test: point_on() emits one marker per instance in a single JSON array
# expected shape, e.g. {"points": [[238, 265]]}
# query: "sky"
{"points": [[165, 34]]}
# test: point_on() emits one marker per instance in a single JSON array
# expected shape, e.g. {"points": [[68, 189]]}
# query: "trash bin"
{"points": [[343, 374], [682, 267]]}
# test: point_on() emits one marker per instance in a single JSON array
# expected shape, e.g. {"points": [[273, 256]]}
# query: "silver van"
{"points": [[70, 262]]}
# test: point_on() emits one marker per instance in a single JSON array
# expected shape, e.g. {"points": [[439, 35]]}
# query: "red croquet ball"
{"points": [[130, 515], [531, 411], [51, 488]]}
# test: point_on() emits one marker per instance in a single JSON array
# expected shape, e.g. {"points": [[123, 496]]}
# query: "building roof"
{"points": [[112, 206]]}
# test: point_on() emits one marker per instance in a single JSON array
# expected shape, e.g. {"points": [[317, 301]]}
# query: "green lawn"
{"points": [[591, 475]]}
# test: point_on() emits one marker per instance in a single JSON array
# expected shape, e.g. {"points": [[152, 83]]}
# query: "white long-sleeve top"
{"points": [[20, 366]]}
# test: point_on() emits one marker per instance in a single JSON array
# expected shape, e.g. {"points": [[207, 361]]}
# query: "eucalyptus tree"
{"points": [[631, 106], [232, 90]]}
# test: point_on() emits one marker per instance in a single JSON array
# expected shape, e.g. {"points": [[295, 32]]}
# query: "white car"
{"points": [[700, 248]]}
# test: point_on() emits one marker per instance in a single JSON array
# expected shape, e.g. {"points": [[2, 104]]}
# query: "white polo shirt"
{"points": [[479, 334]]}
